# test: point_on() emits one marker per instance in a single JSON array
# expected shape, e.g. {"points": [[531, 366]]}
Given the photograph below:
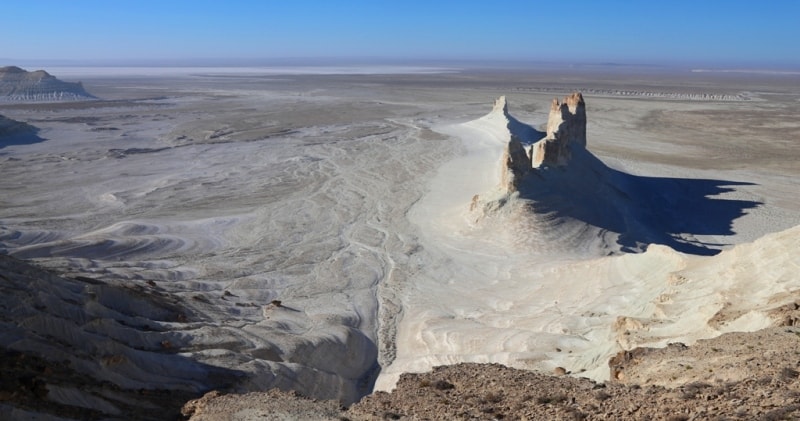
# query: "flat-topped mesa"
{"points": [[16, 84], [566, 131]]}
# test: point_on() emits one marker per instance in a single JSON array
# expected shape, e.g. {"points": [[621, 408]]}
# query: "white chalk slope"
{"points": [[525, 281]]}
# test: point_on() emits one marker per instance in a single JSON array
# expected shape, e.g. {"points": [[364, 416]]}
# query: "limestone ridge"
{"points": [[501, 106], [516, 161], [19, 85], [566, 131]]}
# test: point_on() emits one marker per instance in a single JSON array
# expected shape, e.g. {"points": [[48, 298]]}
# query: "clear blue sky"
{"points": [[763, 33]]}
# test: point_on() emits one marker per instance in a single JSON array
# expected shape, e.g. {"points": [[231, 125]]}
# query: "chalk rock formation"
{"points": [[516, 161], [566, 131], [17, 84], [500, 106], [528, 149]]}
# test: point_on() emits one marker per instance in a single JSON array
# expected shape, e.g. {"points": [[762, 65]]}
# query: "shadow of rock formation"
{"points": [[641, 209], [557, 176], [14, 132]]}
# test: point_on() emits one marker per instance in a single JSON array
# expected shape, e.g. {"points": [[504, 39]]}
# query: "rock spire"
{"points": [[566, 131]]}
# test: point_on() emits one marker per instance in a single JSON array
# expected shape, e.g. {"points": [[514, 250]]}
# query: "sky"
{"points": [[732, 33]]}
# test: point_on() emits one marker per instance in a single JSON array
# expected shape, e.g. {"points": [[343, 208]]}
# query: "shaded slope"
{"points": [[86, 349], [9, 127], [640, 210], [572, 191], [13, 132]]}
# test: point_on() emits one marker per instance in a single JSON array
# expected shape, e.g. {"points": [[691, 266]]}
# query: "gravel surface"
{"points": [[737, 376]]}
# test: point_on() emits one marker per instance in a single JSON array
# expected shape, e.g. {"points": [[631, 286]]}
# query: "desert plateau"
{"points": [[399, 242]]}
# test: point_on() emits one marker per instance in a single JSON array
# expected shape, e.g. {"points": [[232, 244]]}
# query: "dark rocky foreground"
{"points": [[737, 376], [81, 348]]}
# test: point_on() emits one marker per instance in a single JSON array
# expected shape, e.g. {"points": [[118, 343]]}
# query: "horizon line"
{"points": [[365, 60]]}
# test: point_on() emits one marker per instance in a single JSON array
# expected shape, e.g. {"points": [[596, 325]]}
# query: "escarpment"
{"points": [[19, 85]]}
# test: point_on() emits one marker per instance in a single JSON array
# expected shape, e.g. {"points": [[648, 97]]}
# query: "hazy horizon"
{"points": [[343, 66]]}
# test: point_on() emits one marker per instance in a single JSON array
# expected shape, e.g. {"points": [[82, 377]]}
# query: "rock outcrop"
{"points": [[566, 131], [516, 160], [527, 149], [755, 382], [19, 85]]}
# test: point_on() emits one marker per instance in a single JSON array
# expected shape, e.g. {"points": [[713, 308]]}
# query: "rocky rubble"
{"points": [[737, 376]]}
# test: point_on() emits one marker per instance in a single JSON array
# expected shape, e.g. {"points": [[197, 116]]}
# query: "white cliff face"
{"points": [[19, 85], [566, 130], [515, 161], [566, 133]]}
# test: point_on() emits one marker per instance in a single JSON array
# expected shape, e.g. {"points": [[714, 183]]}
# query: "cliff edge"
{"points": [[19, 85]]}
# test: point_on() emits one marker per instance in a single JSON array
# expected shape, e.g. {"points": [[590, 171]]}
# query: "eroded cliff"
{"points": [[17, 84], [566, 131]]}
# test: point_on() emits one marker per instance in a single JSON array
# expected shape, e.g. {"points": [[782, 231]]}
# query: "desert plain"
{"points": [[315, 230]]}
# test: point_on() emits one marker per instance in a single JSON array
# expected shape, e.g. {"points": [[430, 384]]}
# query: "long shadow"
{"points": [[642, 210], [20, 139], [525, 133]]}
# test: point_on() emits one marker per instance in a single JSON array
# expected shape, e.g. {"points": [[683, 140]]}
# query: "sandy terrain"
{"points": [[316, 232]]}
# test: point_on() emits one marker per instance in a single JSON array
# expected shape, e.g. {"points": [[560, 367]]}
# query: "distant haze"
{"points": [[731, 34]]}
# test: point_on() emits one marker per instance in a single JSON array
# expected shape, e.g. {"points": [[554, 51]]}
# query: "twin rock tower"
{"points": [[566, 134]]}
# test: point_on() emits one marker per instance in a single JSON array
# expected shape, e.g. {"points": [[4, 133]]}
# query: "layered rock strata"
{"points": [[19, 85]]}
